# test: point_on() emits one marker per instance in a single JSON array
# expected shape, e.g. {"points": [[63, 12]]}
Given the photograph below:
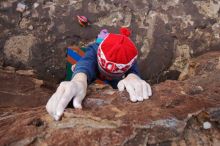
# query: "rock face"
{"points": [[173, 31], [179, 113], [21, 91]]}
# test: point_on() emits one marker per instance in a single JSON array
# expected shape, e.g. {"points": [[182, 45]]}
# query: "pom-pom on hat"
{"points": [[117, 53]]}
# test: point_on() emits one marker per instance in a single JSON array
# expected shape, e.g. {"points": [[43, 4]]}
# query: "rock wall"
{"points": [[180, 113], [167, 33]]}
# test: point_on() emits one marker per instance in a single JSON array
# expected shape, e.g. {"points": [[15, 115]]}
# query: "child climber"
{"points": [[112, 58]]}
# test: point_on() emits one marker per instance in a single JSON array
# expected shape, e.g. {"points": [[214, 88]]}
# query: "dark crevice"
{"points": [[36, 122]]}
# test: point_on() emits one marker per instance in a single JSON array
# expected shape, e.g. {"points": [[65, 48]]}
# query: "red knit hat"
{"points": [[117, 53]]}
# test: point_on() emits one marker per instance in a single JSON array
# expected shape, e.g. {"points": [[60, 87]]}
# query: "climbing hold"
{"points": [[83, 21]]}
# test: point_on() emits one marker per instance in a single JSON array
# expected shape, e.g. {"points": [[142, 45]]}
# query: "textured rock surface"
{"points": [[17, 49], [171, 30], [175, 115]]}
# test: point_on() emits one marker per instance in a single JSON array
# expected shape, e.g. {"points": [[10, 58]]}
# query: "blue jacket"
{"points": [[88, 64]]}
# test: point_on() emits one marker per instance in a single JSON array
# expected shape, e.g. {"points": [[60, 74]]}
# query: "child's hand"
{"points": [[137, 88], [65, 92]]}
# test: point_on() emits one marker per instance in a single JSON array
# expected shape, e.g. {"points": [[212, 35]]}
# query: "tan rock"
{"points": [[10, 68], [26, 72], [17, 48]]}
